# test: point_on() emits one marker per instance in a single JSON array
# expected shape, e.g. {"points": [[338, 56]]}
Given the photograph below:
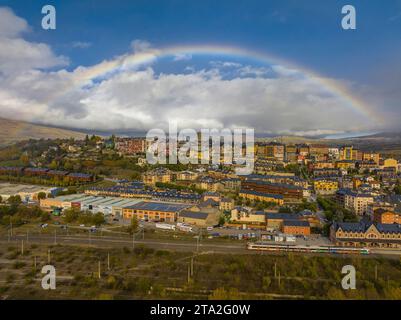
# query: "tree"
{"points": [[71, 215], [134, 225], [41, 195], [223, 294], [14, 200], [45, 216]]}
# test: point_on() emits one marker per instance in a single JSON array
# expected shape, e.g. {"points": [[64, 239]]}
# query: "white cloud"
{"points": [[18, 55], [139, 46], [81, 44], [11, 25], [133, 99], [182, 57]]}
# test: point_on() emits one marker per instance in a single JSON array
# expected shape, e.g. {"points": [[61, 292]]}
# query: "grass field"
{"points": [[145, 273]]}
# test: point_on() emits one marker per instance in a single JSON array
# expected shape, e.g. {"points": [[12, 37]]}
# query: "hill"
{"points": [[13, 131]]}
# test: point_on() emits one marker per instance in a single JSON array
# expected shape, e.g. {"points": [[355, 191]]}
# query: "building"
{"points": [[211, 195], [187, 176], [390, 163], [130, 146], [289, 192], [296, 227], [325, 186], [345, 164], [94, 204], [231, 184], [261, 196], [371, 156], [200, 219], [290, 153], [360, 234], [372, 207], [155, 211], [319, 152], [226, 204], [386, 217], [272, 150], [26, 192], [358, 202], [160, 175], [210, 184], [248, 217], [276, 220]]}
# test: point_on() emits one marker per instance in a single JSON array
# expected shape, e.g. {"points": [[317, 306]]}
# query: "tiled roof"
{"points": [[296, 223]]}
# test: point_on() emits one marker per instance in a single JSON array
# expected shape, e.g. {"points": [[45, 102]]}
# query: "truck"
{"points": [[185, 228], [290, 239], [165, 226]]}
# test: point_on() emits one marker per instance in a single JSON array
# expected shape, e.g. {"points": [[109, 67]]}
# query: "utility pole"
{"points": [[133, 240], [48, 256], [11, 228], [375, 272], [279, 279], [55, 236], [8, 233], [108, 261], [99, 269], [22, 247], [275, 269], [192, 266], [34, 262], [189, 273], [27, 236]]}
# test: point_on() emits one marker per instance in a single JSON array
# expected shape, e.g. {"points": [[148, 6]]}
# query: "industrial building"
{"points": [[25, 191], [106, 205]]}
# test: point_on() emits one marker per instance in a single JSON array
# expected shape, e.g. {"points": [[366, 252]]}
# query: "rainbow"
{"points": [[130, 61]]}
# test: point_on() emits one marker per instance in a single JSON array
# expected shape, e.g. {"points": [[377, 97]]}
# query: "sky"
{"points": [[280, 67]]}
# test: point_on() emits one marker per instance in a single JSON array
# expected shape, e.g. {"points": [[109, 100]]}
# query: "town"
{"points": [[300, 197]]}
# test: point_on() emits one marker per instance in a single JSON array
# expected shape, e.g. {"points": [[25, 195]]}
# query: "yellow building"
{"points": [[345, 164], [261, 196], [226, 204], [371, 156], [346, 153], [152, 177], [390, 163], [247, 216], [154, 211], [324, 187]]}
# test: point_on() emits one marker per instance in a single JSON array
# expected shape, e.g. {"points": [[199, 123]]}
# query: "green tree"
{"points": [[41, 195], [134, 225]]}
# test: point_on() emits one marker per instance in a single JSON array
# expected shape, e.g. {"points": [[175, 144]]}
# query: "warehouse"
{"points": [[25, 191], [156, 211], [106, 205]]}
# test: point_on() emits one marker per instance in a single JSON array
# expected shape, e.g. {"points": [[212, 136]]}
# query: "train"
{"points": [[263, 246]]}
